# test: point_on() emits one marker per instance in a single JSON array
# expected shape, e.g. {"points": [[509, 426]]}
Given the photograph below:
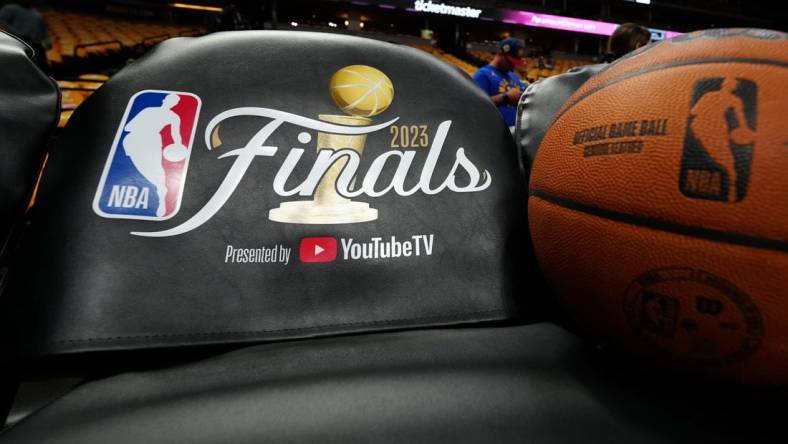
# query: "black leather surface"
{"points": [[85, 283], [532, 383], [539, 104], [28, 111]]}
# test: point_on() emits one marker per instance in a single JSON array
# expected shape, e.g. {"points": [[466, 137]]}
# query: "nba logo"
{"points": [[146, 169], [719, 140]]}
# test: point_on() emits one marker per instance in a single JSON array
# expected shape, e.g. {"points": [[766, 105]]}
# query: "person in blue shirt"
{"points": [[499, 80]]}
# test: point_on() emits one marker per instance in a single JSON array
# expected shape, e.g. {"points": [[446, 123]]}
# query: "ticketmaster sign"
{"points": [[441, 8]]}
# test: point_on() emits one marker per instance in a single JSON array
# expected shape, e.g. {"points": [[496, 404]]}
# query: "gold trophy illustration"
{"points": [[362, 92]]}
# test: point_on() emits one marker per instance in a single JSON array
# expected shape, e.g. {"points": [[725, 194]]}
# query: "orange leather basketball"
{"points": [[659, 204]]}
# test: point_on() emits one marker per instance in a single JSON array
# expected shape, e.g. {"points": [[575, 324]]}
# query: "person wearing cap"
{"points": [[499, 80]]}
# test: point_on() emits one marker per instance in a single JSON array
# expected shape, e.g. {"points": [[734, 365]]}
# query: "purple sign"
{"points": [[538, 20], [516, 17], [528, 18]]}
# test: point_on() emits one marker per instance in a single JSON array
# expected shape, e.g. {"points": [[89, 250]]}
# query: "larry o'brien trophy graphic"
{"points": [[362, 92]]}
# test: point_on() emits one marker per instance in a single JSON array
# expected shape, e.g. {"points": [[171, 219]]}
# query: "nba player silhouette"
{"points": [[143, 143], [710, 126]]}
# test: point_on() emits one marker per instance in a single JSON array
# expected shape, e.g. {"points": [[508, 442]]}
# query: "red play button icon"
{"points": [[318, 249]]}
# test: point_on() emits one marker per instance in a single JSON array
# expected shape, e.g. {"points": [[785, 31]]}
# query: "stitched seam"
{"points": [[253, 332]]}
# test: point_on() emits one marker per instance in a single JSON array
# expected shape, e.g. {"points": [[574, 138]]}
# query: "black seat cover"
{"points": [[102, 269], [29, 107]]}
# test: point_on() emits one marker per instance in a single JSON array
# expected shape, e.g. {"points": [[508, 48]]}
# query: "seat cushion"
{"points": [[535, 383], [539, 104]]}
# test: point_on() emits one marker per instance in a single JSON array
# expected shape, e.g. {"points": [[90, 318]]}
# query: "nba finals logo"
{"points": [[147, 164], [719, 140], [146, 168]]}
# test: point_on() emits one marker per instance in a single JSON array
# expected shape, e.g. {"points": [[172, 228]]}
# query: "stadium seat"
{"points": [[464, 66], [80, 35], [243, 312], [28, 109], [540, 103], [74, 92]]}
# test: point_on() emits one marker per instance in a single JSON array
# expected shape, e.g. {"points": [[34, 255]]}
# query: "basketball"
{"points": [[658, 205], [361, 90], [175, 152]]}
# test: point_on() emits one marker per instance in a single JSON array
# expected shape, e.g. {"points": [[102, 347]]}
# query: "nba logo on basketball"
{"points": [[719, 139], [145, 172]]}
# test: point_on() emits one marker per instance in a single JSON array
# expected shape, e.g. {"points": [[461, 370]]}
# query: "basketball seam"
{"points": [[746, 240], [649, 69]]}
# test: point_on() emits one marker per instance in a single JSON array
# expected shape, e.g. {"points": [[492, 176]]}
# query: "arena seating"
{"points": [[79, 35], [74, 92], [448, 58]]}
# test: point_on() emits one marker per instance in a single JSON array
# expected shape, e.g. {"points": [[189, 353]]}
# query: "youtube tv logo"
{"points": [[318, 249]]}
